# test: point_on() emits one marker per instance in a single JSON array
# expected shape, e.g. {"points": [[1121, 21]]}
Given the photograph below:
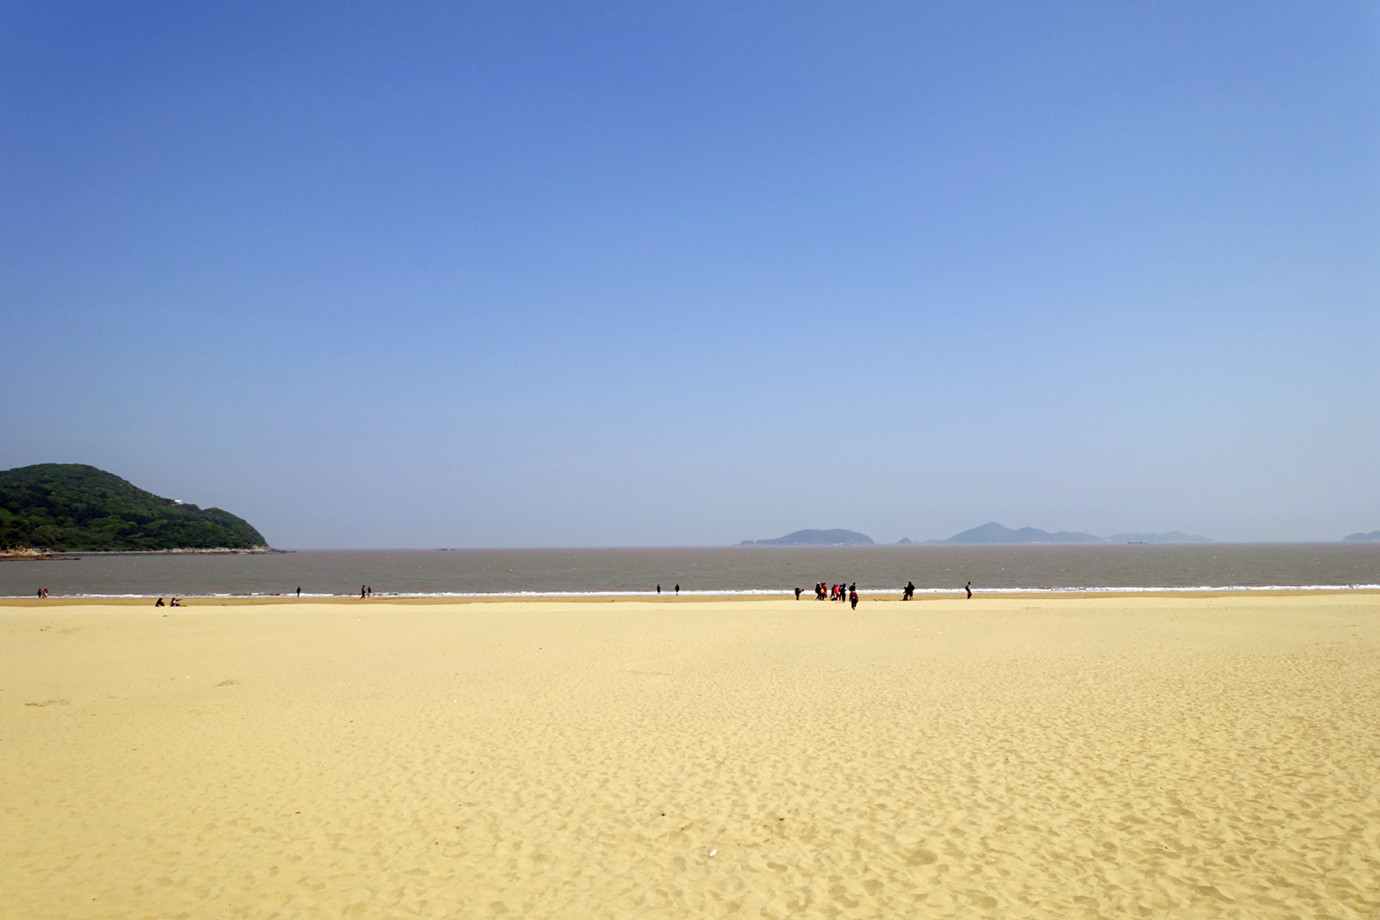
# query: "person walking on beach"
{"points": [[909, 592], [658, 590], [677, 589], [969, 588], [853, 596], [798, 592], [299, 590]]}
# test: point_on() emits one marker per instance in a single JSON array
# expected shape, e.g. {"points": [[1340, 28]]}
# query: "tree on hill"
{"points": [[71, 507]]}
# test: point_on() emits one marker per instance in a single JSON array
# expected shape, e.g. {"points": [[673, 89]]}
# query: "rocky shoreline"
{"points": [[27, 554], [34, 555]]}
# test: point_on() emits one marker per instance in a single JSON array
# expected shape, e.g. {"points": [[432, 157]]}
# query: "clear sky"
{"points": [[688, 273]]}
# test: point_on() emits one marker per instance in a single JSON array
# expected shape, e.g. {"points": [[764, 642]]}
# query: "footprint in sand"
{"points": [[51, 703]]}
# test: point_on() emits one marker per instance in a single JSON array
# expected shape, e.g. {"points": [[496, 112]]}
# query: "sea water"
{"points": [[739, 570]]}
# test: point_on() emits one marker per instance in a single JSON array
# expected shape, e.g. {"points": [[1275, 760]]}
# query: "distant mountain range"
{"points": [[815, 538], [995, 533]]}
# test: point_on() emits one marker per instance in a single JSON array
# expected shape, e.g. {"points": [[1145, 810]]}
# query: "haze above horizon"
{"points": [[512, 275]]}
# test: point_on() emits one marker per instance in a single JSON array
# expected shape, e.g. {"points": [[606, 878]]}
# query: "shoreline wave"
{"points": [[727, 592]]}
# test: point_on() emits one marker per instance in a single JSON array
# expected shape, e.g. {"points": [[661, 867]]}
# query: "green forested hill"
{"points": [[70, 507]]}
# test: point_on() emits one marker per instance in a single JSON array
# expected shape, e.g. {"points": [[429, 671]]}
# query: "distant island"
{"points": [[815, 538], [994, 533], [72, 507], [1372, 537]]}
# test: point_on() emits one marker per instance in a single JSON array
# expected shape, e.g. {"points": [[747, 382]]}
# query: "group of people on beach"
{"points": [[838, 592], [835, 593], [175, 602]]}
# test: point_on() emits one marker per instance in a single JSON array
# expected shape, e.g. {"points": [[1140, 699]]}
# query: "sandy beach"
{"points": [[1024, 756]]}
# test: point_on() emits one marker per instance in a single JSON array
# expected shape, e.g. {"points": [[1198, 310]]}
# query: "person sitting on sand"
{"points": [[160, 603]]}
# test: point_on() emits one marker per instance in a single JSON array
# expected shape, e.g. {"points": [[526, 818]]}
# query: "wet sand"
{"points": [[1033, 756]]}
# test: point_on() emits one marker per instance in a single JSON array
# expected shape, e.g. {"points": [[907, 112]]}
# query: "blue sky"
{"points": [[540, 274]]}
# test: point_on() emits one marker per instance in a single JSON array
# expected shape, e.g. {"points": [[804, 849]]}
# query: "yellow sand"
{"points": [[1070, 756]]}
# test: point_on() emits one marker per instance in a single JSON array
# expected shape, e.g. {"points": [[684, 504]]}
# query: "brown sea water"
{"points": [[700, 570]]}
